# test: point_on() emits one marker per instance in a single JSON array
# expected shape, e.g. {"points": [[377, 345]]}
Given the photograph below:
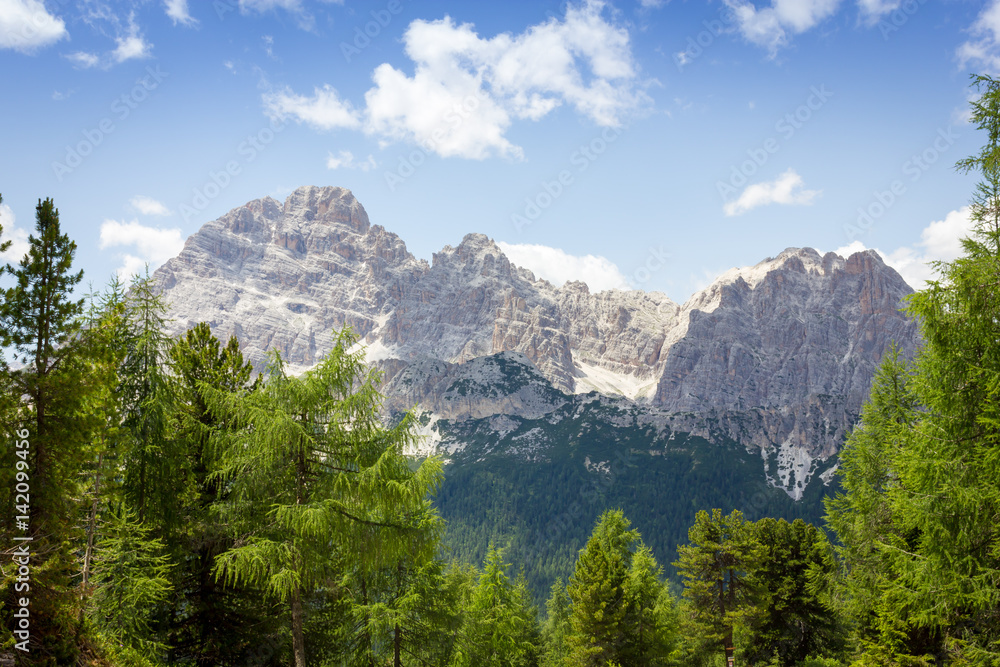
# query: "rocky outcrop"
{"points": [[778, 354]]}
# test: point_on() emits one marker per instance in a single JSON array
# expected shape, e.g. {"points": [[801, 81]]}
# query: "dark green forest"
{"points": [[165, 503]]}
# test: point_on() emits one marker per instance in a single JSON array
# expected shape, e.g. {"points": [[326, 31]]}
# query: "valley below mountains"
{"points": [[552, 403]]}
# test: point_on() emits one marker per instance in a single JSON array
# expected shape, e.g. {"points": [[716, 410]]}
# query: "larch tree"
{"points": [[334, 479]]}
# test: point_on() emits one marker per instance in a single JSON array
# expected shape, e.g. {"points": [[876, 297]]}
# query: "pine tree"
{"points": [[714, 567], [790, 619], [213, 624], [41, 320], [315, 451], [620, 612]]}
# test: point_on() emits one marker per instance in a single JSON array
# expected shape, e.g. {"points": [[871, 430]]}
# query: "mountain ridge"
{"points": [[780, 354]]}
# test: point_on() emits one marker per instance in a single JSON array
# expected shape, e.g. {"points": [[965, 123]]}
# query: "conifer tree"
{"points": [[213, 624], [131, 579], [313, 450], [500, 626], [556, 629], [620, 612], [40, 319], [714, 567], [789, 618]]}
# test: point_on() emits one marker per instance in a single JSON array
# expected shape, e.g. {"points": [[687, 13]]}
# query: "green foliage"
{"points": [[918, 518], [41, 321], [500, 626], [313, 452], [790, 618], [556, 628], [131, 578], [715, 566], [620, 611]]}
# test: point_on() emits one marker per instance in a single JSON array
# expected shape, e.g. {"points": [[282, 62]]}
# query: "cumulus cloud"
{"points": [[16, 235], [557, 266], [786, 189], [148, 206], [467, 90], [178, 12], [345, 160], [324, 110], [941, 240], [983, 50], [769, 27], [26, 26], [149, 245]]}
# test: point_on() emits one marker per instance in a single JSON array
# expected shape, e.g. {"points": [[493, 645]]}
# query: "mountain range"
{"points": [[778, 356], [551, 403]]}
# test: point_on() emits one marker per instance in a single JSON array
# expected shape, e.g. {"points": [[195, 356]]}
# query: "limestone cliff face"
{"points": [[780, 354]]}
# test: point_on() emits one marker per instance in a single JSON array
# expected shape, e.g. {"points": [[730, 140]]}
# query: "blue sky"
{"points": [[641, 144]]}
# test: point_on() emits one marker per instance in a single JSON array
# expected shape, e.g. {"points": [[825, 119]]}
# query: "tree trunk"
{"points": [[397, 645], [298, 638]]}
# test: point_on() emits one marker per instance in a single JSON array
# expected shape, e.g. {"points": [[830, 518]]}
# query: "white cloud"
{"points": [[131, 45], [83, 60], [148, 206], [768, 27], [873, 10], [11, 232], [557, 266], [178, 12], [294, 7], [983, 50], [941, 240], [345, 160], [26, 26], [467, 90], [786, 189], [151, 245], [323, 111]]}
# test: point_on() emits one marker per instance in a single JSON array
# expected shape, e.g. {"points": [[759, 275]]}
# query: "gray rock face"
{"points": [[780, 354]]}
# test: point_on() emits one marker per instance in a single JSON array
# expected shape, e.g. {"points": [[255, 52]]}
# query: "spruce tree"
{"points": [[790, 619], [557, 626], [620, 612]]}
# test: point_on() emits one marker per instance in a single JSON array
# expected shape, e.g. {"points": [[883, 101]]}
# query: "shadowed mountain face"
{"points": [[777, 357]]}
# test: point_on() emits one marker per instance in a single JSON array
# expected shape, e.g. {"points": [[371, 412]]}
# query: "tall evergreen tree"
{"points": [[556, 629], [790, 619], [619, 612], [715, 566], [213, 623], [40, 319], [950, 466], [500, 626], [314, 449], [872, 532]]}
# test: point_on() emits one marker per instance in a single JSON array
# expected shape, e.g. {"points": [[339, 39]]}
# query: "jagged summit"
{"points": [[793, 340]]}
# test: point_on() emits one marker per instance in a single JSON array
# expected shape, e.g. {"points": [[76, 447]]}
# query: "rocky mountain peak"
{"points": [[327, 204], [779, 354]]}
